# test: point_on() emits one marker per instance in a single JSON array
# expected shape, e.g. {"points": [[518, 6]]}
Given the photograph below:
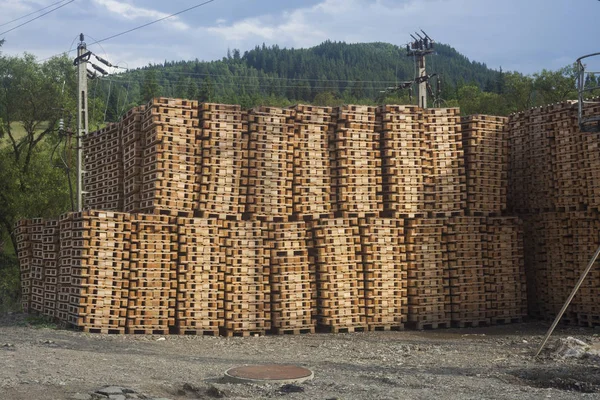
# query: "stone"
{"points": [[117, 397], [291, 388], [215, 392], [108, 390]]}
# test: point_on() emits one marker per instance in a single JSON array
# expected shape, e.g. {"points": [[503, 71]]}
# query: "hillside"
{"points": [[351, 73]]}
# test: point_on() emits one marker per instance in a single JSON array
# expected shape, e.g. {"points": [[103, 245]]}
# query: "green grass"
{"points": [[19, 132]]}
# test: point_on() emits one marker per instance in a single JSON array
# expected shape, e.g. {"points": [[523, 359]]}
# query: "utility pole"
{"points": [[420, 48], [82, 113]]}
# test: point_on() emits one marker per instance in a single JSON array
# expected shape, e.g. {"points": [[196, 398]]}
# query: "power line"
{"points": [[216, 83], [39, 16], [152, 22], [195, 74], [31, 13], [138, 27]]}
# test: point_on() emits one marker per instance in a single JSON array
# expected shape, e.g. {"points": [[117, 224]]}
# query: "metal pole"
{"points": [[571, 296], [82, 116], [423, 84]]}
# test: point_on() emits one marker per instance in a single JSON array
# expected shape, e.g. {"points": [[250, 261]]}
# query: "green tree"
{"points": [[150, 87]]}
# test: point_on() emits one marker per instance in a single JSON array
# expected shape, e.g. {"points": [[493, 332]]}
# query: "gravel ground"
{"points": [[41, 362]]}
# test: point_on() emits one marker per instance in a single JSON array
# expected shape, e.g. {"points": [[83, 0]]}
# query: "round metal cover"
{"points": [[269, 373]]}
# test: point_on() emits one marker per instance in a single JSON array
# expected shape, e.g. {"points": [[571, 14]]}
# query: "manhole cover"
{"points": [[270, 373]]}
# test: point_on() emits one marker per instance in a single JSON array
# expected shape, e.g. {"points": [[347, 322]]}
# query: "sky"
{"points": [[517, 35]]}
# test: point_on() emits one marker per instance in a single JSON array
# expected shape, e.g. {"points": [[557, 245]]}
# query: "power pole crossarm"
{"points": [[82, 113], [420, 48]]}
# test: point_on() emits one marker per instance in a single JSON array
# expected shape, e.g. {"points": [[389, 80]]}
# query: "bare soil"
{"points": [[42, 362]]}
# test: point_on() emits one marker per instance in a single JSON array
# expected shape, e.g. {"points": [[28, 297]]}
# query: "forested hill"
{"points": [[336, 71]]}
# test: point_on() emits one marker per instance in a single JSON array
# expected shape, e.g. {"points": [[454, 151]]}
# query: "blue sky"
{"points": [[520, 35]]}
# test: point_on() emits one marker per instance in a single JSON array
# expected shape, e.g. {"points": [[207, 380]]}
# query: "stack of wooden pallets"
{"points": [[406, 159], [339, 274], [171, 164], [99, 258], [270, 164], [445, 188], [24, 249], [51, 247], [541, 194], [133, 157], [464, 243], [37, 265], [568, 166], [291, 278], [103, 178], [200, 277], [65, 264], [224, 158], [485, 145], [312, 174], [356, 162], [385, 273], [152, 274], [585, 227], [24, 255], [518, 163], [247, 291], [428, 279]]}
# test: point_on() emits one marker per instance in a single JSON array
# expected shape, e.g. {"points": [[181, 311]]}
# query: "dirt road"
{"points": [[484, 363]]}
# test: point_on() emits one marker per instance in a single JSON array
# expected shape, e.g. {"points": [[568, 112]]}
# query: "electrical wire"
{"points": [[39, 16], [164, 81], [107, 99], [139, 27], [31, 13], [152, 22]]}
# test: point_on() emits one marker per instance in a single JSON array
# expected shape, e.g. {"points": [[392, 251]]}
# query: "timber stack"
{"points": [[209, 219]]}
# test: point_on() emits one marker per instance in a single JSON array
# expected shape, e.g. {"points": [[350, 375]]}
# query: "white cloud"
{"points": [[131, 12]]}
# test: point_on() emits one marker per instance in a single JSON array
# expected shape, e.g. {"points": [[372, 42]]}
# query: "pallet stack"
{"points": [[37, 265], [485, 145], [65, 270], [542, 184], [133, 157], [356, 162], [505, 273], [339, 273], [270, 164], [224, 158], [200, 277], [99, 270], [518, 163], [51, 247], [312, 175], [464, 243], [568, 168], [247, 291], [291, 279], [103, 178], [585, 228], [446, 187], [385, 273], [152, 275], [170, 174], [428, 277], [25, 256], [406, 159]]}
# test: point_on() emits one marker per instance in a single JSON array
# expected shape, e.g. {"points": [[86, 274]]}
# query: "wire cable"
{"points": [[39, 16], [138, 27], [152, 22], [31, 13]]}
